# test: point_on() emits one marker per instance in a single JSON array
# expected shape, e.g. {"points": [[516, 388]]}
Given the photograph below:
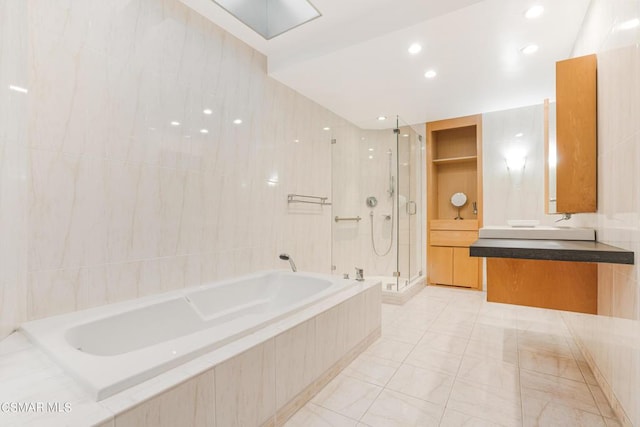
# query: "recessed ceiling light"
{"points": [[204, 131], [326, 128], [370, 149], [519, 134], [174, 123], [381, 118], [430, 74], [237, 121], [207, 111], [405, 135], [630, 24], [414, 49], [296, 140], [371, 157], [534, 12], [529, 49]]}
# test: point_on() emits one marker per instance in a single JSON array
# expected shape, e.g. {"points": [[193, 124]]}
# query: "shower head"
{"points": [[284, 257]]}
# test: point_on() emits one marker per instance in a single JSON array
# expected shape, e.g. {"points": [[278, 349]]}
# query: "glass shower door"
{"points": [[409, 204]]}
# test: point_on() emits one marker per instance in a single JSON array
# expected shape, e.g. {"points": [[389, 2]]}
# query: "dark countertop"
{"points": [[553, 250]]}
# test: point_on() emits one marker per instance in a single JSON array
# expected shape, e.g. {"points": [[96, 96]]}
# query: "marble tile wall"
{"points": [[517, 194], [111, 200], [611, 340], [13, 163], [360, 170]]}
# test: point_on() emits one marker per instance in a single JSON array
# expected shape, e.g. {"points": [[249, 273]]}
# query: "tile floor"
{"points": [[449, 358]]}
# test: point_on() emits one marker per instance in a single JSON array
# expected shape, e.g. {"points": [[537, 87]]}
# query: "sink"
{"points": [[539, 232]]}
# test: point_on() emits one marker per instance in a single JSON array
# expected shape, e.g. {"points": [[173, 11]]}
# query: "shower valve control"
{"points": [[372, 202]]}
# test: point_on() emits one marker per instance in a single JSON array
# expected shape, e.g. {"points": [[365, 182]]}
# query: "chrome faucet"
{"points": [[359, 274], [287, 257], [565, 217]]}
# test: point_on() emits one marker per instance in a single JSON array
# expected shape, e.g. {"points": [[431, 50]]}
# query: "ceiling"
{"points": [[354, 60]]}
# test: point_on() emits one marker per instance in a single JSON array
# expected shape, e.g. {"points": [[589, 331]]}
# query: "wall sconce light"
{"points": [[516, 163], [515, 159]]}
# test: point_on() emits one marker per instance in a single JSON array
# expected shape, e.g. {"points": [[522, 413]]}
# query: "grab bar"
{"points": [[318, 200], [337, 219]]}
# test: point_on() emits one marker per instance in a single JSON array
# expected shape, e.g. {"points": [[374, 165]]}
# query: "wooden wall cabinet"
{"points": [[576, 135], [454, 164]]}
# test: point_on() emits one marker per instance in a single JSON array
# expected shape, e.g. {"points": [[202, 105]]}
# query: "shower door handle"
{"points": [[412, 208]]}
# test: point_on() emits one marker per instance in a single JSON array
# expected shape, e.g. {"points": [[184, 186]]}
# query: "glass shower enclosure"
{"points": [[377, 211]]}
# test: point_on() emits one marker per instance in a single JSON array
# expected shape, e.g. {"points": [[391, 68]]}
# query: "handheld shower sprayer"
{"points": [[287, 257]]}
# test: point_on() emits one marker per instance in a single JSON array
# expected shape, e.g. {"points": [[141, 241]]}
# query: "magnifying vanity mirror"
{"points": [[458, 200]]}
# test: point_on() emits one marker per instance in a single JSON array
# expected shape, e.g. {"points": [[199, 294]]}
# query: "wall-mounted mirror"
{"points": [[550, 157]]}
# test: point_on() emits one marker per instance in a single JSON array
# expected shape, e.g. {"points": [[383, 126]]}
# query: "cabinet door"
{"points": [[576, 134], [441, 265], [465, 268]]}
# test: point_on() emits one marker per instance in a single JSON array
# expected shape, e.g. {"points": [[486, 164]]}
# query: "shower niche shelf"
{"points": [[463, 159], [454, 164]]}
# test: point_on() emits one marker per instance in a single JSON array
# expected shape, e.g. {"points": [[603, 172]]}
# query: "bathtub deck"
{"points": [[28, 375]]}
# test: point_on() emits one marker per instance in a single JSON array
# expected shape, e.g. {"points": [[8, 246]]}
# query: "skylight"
{"points": [[270, 18]]}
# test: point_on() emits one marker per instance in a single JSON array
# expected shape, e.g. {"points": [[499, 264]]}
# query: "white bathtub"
{"points": [[110, 348]]}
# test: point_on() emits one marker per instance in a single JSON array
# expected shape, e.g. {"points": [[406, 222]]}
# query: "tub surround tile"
{"points": [[35, 377], [39, 380], [190, 403], [246, 386], [397, 409], [296, 366], [331, 337], [305, 396], [14, 343]]}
